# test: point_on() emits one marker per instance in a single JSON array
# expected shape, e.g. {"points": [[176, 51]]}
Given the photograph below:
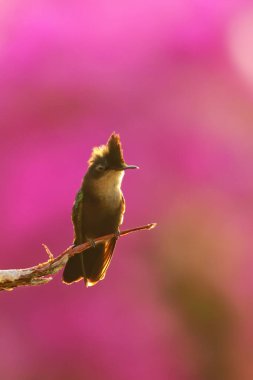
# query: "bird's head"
{"points": [[108, 159]]}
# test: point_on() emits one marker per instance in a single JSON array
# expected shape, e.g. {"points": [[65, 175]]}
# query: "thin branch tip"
{"points": [[50, 255], [152, 225]]}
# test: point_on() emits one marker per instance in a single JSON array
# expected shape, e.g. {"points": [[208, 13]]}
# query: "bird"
{"points": [[98, 210]]}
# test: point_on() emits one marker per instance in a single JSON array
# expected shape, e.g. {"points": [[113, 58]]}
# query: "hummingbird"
{"points": [[98, 210]]}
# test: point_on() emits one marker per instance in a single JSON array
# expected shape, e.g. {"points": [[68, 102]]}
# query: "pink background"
{"points": [[175, 79]]}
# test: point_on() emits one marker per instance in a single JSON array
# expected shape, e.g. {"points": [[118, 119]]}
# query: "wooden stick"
{"points": [[37, 275]]}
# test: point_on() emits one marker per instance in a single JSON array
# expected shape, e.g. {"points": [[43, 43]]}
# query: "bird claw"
{"points": [[117, 234], [91, 242]]}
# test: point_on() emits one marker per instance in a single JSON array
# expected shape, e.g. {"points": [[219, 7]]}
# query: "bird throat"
{"points": [[108, 188]]}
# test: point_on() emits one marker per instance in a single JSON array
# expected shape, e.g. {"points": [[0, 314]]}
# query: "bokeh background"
{"points": [[175, 79]]}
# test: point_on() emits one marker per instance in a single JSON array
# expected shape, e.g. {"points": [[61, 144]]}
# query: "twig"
{"points": [[37, 275]]}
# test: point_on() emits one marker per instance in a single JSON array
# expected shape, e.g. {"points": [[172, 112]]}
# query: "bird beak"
{"points": [[125, 167]]}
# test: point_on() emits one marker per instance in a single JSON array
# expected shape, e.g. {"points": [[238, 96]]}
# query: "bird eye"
{"points": [[100, 168]]}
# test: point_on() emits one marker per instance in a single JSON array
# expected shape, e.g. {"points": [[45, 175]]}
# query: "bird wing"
{"points": [[123, 209], [76, 217]]}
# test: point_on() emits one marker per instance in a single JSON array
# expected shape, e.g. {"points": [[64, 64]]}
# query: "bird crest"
{"points": [[111, 152]]}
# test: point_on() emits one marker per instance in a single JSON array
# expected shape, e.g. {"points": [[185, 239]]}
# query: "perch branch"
{"points": [[38, 274]]}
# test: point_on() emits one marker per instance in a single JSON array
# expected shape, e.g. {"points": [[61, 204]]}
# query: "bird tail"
{"points": [[94, 266], [73, 270]]}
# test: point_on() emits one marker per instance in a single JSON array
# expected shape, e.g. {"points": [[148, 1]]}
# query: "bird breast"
{"points": [[108, 188]]}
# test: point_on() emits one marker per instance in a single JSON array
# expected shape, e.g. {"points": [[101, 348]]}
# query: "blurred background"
{"points": [[175, 79]]}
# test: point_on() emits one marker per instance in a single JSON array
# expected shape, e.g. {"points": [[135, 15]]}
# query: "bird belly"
{"points": [[98, 221]]}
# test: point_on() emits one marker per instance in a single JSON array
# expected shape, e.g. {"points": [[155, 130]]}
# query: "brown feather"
{"points": [[112, 152]]}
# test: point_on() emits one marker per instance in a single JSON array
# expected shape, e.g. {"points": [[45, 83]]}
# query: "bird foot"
{"points": [[91, 242], [117, 234]]}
